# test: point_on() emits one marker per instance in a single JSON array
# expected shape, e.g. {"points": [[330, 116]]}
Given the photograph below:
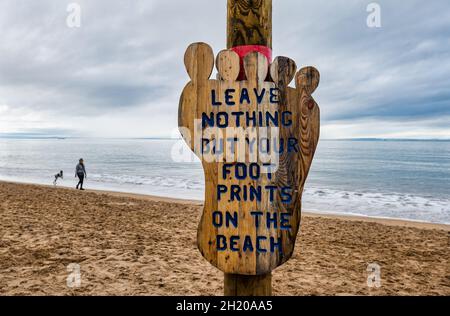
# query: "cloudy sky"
{"points": [[121, 73]]}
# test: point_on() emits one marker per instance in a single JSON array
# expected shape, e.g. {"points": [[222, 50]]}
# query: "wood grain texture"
{"points": [[249, 23], [293, 167], [244, 285]]}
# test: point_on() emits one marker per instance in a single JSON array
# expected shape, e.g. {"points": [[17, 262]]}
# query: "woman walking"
{"points": [[80, 172]]}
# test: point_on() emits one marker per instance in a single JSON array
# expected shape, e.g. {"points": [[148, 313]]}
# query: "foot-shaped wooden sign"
{"points": [[256, 139]]}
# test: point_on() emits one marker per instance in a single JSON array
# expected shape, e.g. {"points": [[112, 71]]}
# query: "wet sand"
{"points": [[127, 244]]}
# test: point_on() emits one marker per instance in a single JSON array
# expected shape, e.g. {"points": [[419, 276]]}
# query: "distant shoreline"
{"points": [[361, 218]]}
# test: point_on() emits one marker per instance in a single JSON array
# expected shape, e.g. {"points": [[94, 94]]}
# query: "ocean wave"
{"points": [[381, 179], [156, 181], [377, 204]]}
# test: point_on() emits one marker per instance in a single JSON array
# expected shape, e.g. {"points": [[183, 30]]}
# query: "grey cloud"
{"points": [[128, 55]]}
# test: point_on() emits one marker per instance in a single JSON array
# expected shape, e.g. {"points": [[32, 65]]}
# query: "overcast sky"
{"points": [[121, 73]]}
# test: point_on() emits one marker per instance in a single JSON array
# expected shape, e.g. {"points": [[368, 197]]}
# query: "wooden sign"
{"points": [[256, 139]]}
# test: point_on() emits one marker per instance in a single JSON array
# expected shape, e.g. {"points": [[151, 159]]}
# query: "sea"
{"points": [[401, 179]]}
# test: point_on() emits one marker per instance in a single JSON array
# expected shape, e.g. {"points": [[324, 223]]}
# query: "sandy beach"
{"points": [[128, 244]]}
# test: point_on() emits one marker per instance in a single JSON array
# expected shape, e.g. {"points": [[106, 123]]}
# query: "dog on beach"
{"points": [[57, 176]]}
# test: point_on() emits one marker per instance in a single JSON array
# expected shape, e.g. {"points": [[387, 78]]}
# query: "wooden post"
{"points": [[248, 285], [249, 23], [230, 234]]}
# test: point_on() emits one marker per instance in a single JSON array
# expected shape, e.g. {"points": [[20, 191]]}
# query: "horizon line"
{"points": [[18, 136]]}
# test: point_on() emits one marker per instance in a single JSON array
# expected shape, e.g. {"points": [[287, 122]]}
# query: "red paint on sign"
{"points": [[242, 51]]}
